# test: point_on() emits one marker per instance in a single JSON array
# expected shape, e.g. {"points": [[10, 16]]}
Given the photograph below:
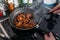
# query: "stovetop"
{"points": [[13, 36], [43, 26]]}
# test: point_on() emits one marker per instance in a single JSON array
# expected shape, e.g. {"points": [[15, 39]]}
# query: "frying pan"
{"points": [[12, 16]]}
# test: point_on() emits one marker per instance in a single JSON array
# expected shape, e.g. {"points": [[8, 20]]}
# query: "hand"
{"points": [[49, 37], [56, 9]]}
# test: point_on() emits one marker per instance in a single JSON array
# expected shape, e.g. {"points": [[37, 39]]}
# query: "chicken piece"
{"points": [[23, 15], [26, 20], [19, 24], [25, 25], [30, 26], [29, 15], [19, 18]]}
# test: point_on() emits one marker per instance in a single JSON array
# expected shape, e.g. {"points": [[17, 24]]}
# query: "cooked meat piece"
{"points": [[19, 17], [19, 24], [27, 20], [25, 25], [31, 26], [29, 15], [23, 15]]}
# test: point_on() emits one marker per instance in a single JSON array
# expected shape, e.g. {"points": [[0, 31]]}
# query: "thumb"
{"points": [[51, 35], [45, 36]]}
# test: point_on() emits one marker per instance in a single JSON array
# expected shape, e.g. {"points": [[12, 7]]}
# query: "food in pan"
{"points": [[24, 21], [29, 15]]}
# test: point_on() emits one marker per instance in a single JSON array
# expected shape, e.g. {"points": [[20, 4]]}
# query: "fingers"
{"points": [[51, 35], [55, 8], [46, 37], [57, 11]]}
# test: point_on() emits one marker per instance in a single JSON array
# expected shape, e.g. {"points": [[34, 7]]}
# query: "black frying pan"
{"points": [[36, 17]]}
